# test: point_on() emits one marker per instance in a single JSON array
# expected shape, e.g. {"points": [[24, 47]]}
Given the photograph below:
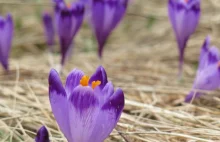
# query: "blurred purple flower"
{"points": [[6, 32], [184, 16], [42, 135], [105, 16], [49, 29], [68, 21], [208, 73], [86, 109]]}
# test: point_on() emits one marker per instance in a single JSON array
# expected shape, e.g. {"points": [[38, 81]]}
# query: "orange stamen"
{"points": [[84, 80], [186, 1], [95, 84]]}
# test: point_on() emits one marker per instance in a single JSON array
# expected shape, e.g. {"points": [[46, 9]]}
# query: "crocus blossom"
{"points": [[184, 16], [49, 29], [105, 16], [42, 135], [86, 108], [208, 73], [6, 35], [69, 18]]}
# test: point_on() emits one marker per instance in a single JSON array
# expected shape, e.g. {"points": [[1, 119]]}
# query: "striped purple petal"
{"points": [[73, 80], [108, 116], [58, 102], [83, 110]]}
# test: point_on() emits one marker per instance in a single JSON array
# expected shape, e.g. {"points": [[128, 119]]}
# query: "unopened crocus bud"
{"points": [[48, 23], [6, 36], [105, 16], [69, 19], [184, 16], [42, 135]]}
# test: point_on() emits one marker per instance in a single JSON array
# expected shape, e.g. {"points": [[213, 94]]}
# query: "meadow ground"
{"points": [[140, 57]]}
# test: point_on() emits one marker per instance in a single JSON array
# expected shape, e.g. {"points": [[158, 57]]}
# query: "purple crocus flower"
{"points": [[208, 73], [42, 135], [49, 29], [6, 32], [68, 21], [87, 108], [184, 16], [105, 16]]}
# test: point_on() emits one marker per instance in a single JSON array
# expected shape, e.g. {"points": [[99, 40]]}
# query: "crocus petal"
{"points": [[100, 75], [106, 15], [73, 80], [42, 135], [116, 102], [213, 55], [192, 15], [58, 102], [6, 32], [208, 55], [104, 94], [65, 35], [83, 110], [49, 29], [203, 53], [108, 116], [69, 20], [208, 78], [108, 91]]}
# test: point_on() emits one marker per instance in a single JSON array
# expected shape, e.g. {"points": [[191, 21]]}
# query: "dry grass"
{"points": [[140, 60]]}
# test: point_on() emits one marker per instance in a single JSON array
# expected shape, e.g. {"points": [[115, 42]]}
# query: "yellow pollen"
{"points": [[95, 84], [84, 80]]}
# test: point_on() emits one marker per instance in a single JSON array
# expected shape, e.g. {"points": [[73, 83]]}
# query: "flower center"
{"points": [[85, 82], [186, 1]]}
